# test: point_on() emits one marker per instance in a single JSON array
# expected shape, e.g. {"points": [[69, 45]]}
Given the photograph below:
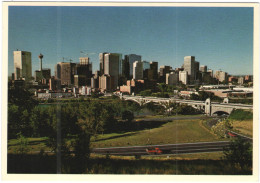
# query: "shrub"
{"points": [[239, 153], [222, 127], [240, 114]]}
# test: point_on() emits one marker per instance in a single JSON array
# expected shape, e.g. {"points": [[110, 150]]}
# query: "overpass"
{"points": [[209, 108]]}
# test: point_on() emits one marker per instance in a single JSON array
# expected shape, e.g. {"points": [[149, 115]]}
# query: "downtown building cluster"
{"points": [[128, 74]]}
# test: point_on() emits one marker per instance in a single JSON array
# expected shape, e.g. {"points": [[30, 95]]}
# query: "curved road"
{"points": [[174, 118], [167, 149]]}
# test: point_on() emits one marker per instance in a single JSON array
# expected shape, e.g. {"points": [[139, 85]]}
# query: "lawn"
{"points": [[177, 131], [147, 133], [244, 127], [34, 144]]}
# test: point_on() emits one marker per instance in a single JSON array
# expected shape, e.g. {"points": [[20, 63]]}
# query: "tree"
{"points": [[23, 144], [146, 93], [13, 120], [162, 87], [127, 115], [22, 98], [239, 153]]}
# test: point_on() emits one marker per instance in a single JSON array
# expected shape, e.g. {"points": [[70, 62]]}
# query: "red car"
{"points": [[154, 151], [231, 134]]}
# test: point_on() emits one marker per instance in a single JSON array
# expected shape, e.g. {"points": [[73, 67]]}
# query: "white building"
{"points": [[183, 77], [131, 58], [221, 76], [189, 66], [241, 80], [22, 65], [138, 70]]}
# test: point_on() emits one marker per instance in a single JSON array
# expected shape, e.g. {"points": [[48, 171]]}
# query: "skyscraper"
{"points": [[111, 68], [83, 72], [203, 68], [183, 77], [172, 78], [101, 62], [65, 71], [164, 69], [153, 73], [197, 69], [189, 66], [22, 65], [125, 68], [131, 58], [146, 68], [138, 70]]}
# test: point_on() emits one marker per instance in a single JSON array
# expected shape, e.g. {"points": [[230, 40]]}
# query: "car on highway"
{"points": [[155, 150], [231, 134]]}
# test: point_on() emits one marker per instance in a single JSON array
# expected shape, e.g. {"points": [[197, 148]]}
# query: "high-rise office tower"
{"points": [[153, 73], [125, 68], [95, 80], [105, 83], [101, 62], [111, 68], [83, 72], [183, 77], [189, 66], [197, 69], [131, 58], [138, 70], [164, 69], [22, 65], [146, 68], [84, 61], [203, 68], [172, 78], [210, 71], [65, 71]]}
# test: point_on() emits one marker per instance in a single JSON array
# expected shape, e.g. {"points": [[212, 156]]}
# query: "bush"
{"points": [[128, 115], [239, 153], [222, 127], [145, 93], [240, 114]]}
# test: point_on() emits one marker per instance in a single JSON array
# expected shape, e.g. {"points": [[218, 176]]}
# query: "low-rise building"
{"points": [[126, 89]]}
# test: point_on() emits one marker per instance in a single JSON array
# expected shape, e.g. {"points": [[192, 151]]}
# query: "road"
{"points": [[167, 149], [174, 118]]}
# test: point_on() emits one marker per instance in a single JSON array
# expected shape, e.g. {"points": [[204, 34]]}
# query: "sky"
{"points": [[219, 37]]}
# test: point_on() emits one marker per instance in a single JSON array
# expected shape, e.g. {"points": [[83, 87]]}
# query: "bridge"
{"points": [[209, 108]]}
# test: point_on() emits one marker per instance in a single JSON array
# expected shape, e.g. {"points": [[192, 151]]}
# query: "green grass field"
{"points": [[179, 131], [245, 127], [34, 144]]}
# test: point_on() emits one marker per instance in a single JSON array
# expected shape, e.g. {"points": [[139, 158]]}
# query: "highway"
{"points": [[167, 149], [175, 118]]}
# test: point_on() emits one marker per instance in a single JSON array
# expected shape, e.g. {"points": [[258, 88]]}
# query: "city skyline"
{"points": [[217, 37]]}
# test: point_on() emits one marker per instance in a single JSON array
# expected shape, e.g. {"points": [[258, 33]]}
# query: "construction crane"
{"points": [[67, 59], [84, 53]]}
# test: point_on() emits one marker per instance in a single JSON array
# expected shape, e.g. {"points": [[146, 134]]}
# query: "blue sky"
{"points": [[221, 38]]}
